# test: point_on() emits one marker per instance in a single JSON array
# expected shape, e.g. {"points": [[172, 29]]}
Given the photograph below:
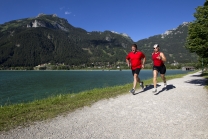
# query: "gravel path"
{"points": [[180, 112]]}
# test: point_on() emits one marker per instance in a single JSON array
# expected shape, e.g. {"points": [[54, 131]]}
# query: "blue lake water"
{"points": [[25, 86]]}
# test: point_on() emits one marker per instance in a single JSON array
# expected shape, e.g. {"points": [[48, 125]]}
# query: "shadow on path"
{"points": [[149, 87], [200, 82], [201, 74], [196, 75], [168, 87]]}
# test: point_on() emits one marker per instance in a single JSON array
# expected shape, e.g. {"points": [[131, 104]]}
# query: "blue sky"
{"points": [[137, 18]]}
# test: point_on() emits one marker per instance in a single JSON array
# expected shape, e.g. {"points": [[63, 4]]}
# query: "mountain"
{"points": [[49, 39], [172, 44]]}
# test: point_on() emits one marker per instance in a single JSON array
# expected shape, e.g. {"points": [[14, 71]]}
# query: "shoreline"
{"points": [[179, 112], [173, 113]]}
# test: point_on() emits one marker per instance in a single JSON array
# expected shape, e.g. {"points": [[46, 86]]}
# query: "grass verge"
{"points": [[23, 114], [205, 75]]}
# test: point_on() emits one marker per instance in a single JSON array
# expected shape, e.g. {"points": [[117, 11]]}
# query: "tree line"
{"points": [[197, 40]]}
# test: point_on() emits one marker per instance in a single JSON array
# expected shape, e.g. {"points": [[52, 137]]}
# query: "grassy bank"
{"points": [[24, 114]]}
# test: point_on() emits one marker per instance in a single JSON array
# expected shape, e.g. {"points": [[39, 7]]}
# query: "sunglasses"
{"points": [[155, 48]]}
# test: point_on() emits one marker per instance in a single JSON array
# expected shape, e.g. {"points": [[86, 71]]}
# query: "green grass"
{"points": [[205, 75], [24, 114]]}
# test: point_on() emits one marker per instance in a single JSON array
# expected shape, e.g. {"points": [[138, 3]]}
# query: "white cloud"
{"points": [[67, 12], [61, 8]]}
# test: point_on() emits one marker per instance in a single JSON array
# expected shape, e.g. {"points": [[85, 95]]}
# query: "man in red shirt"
{"points": [[136, 60]]}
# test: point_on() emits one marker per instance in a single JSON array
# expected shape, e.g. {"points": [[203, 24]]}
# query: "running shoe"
{"points": [[154, 90], [142, 85], [165, 86], [132, 91]]}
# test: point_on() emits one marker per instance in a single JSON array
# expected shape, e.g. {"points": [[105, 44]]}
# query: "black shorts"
{"points": [[160, 69], [136, 71]]}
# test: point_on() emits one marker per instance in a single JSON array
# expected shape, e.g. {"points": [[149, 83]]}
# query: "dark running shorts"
{"points": [[136, 71], [160, 69]]}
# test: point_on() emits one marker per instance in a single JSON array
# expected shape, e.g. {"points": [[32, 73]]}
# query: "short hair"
{"points": [[134, 45]]}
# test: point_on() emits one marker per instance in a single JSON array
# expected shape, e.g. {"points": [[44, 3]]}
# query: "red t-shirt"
{"points": [[135, 59], [156, 61]]}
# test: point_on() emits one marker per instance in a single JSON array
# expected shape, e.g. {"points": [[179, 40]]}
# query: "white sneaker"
{"points": [[165, 86], [154, 90]]}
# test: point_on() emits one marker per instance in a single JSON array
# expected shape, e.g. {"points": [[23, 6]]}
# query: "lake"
{"points": [[25, 86]]}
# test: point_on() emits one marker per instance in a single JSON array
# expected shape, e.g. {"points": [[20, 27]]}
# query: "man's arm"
{"points": [[128, 63], [143, 62]]}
